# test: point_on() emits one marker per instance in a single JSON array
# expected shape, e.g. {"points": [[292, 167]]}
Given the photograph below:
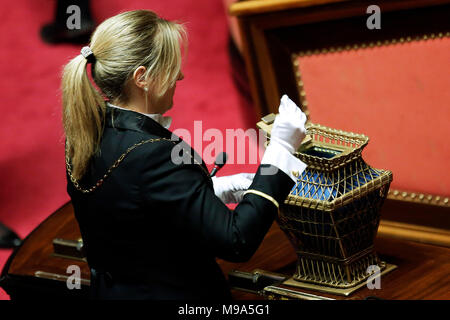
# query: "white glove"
{"points": [[288, 129], [230, 189]]}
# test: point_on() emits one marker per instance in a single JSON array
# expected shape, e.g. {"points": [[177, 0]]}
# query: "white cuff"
{"points": [[279, 157]]}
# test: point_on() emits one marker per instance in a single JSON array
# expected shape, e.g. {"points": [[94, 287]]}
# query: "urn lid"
{"points": [[323, 148], [328, 149], [336, 173]]}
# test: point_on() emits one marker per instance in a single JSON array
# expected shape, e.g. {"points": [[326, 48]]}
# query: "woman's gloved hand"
{"points": [[230, 189], [288, 129]]}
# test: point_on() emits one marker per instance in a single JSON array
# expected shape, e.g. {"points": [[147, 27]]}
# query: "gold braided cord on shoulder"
{"points": [[116, 164], [108, 172], [264, 195]]}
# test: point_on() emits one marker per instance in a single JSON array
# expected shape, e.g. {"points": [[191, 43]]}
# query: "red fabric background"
{"points": [[32, 174]]}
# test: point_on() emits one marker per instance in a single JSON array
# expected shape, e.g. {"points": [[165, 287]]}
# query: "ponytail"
{"points": [[120, 44], [83, 115]]}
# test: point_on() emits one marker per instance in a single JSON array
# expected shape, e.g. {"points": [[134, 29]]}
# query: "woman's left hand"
{"points": [[230, 189]]}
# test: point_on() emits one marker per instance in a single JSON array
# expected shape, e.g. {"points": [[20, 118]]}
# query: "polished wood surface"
{"points": [[254, 7], [423, 273], [423, 270], [36, 252], [242, 8], [415, 233]]}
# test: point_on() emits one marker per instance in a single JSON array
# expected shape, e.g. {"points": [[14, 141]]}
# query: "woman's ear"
{"points": [[139, 77]]}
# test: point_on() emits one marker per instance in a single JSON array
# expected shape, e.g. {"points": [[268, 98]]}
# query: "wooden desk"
{"points": [[423, 270], [32, 271]]}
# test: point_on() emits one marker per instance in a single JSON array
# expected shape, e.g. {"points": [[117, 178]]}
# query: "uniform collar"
{"points": [[130, 120], [162, 120]]}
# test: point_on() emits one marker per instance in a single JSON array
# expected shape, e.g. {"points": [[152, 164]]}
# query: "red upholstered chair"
{"points": [[390, 84]]}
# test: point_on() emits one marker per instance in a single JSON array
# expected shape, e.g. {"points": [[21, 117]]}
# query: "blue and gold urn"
{"points": [[332, 214]]}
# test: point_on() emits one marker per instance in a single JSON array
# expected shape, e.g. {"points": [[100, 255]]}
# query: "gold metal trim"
{"points": [[278, 293], [394, 194], [324, 205], [422, 198], [58, 277], [350, 144], [331, 290], [64, 256]]}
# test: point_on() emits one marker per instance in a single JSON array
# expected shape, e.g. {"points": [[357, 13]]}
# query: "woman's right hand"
{"points": [[288, 129]]}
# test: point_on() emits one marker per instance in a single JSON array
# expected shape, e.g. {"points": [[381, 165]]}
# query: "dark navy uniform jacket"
{"points": [[154, 228]]}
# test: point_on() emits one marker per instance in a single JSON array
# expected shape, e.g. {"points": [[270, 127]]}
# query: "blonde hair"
{"points": [[120, 45]]}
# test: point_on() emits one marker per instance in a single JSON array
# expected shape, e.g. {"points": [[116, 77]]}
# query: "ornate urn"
{"points": [[331, 216]]}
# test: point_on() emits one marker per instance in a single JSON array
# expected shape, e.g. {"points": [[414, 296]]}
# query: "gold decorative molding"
{"points": [[280, 293], [386, 268], [58, 277], [422, 198]]}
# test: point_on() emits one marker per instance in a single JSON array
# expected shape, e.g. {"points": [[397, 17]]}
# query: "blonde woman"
{"points": [[152, 226]]}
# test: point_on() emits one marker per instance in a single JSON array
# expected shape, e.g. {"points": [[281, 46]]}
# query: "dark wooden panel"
{"points": [[36, 252]]}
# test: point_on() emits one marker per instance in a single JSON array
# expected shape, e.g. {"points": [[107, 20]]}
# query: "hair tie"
{"points": [[87, 53]]}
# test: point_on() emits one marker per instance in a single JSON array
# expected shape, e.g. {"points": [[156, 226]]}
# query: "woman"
{"points": [[152, 227]]}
